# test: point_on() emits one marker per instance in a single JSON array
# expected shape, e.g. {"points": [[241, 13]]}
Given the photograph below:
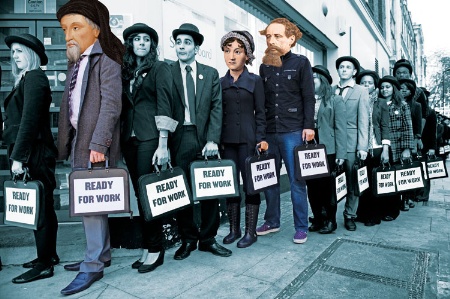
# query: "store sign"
{"points": [[35, 6]]}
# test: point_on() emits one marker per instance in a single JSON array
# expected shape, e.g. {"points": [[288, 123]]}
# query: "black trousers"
{"points": [[190, 231], [238, 152], [41, 166], [138, 156], [320, 194]]}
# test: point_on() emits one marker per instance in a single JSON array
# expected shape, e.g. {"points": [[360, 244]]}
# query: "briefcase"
{"points": [[23, 202], [164, 192], [211, 179], [436, 168], [260, 171], [383, 180], [311, 161], [408, 175], [340, 183], [99, 191]]}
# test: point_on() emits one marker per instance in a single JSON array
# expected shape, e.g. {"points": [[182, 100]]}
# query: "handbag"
{"points": [[23, 201], [383, 180], [212, 179], [164, 192], [340, 182], [260, 172], [99, 191], [359, 177], [408, 175], [311, 161], [436, 167]]}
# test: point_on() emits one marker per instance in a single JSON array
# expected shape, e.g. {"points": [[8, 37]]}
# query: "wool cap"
{"points": [[370, 73], [352, 59], [31, 42], [390, 79], [320, 69], [189, 29], [141, 28], [403, 63]]}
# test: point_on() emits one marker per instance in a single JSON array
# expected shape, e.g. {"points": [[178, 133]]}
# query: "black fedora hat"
{"points": [[352, 59], [189, 29], [141, 28], [402, 63], [31, 42], [412, 82], [390, 79], [373, 74], [320, 69]]}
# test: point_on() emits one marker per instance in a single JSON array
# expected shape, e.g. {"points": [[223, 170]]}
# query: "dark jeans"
{"points": [[209, 209], [238, 153], [320, 195], [138, 156]]}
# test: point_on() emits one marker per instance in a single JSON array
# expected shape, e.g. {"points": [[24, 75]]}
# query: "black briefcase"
{"points": [[23, 201], [99, 191], [164, 192], [260, 171]]}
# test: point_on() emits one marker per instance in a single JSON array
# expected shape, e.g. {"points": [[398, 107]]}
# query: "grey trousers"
{"points": [[351, 201]]}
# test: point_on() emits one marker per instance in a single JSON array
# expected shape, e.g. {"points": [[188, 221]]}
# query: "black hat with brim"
{"points": [[320, 69], [352, 59], [402, 63], [390, 79], [141, 28], [412, 82], [31, 42], [189, 29], [370, 73]]}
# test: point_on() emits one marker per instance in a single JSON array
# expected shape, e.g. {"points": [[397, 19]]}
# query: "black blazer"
{"points": [[151, 96], [244, 117], [208, 103], [27, 116], [380, 120]]}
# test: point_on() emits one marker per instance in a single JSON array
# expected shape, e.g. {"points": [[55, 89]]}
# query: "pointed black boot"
{"points": [[234, 216], [251, 218]]}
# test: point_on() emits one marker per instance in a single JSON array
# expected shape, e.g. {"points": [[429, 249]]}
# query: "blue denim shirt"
{"points": [[289, 91]]}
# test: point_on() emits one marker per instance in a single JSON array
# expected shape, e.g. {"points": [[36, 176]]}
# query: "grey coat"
{"points": [[100, 107]]}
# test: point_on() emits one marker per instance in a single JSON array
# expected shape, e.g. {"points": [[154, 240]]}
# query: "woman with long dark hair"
{"points": [[400, 135], [330, 130], [145, 124], [30, 142]]}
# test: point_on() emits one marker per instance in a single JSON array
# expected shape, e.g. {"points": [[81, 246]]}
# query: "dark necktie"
{"points": [[73, 82], [190, 88], [341, 89]]}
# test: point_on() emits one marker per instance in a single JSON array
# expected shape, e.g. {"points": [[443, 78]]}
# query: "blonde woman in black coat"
{"points": [[30, 142]]}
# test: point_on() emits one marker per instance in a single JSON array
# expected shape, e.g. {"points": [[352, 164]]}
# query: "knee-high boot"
{"points": [[251, 218], [234, 216]]}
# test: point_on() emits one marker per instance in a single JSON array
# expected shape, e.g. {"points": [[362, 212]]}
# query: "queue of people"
{"points": [[121, 100]]}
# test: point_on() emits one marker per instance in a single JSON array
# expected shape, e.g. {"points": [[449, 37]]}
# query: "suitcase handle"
{"points": [[25, 176], [90, 167], [158, 171], [219, 159]]}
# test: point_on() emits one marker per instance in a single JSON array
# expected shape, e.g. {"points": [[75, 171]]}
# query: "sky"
{"points": [[435, 19]]}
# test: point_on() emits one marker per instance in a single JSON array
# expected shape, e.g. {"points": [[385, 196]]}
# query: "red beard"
{"points": [[273, 56]]}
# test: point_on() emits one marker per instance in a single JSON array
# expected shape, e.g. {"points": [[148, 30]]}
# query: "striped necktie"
{"points": [[73, 82]]}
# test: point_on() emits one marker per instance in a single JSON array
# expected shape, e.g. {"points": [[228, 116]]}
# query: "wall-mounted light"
{"points": [[324, 9]]}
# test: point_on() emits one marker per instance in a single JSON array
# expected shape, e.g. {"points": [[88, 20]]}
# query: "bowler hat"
{"points": [[403, 63], [320, 69], [141, 28], [412, 82], [370, 73], [189, 29], [390, 79], [31, 42], [352, 59]]}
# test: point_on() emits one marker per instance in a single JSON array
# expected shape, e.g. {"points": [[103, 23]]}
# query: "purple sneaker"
{"points": [[266, 229], [300, 237]]}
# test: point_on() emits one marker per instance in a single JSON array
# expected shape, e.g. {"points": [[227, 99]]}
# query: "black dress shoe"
{"points": [[82, 281], [328, 228], [185, 250], [136, 264], [76, 266], [411, 204], [388, 218], [34, 274], [54, 260], [350, 224], [215, 249], [315, 227], [148, 268]]}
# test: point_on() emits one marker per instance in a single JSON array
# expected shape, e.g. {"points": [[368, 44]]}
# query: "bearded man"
{"points": [[289, 90]]}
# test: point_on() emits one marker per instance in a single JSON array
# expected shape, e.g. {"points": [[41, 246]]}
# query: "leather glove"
{"points": [[16, 167], [210, 149], [362, 155]]}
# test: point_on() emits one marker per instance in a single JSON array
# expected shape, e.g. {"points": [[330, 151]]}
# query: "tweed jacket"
{"points": [[357, 108], [400, 129], [27, 116], [208, 104], [148, 107], [100, 107], [244, 117], [332, 126]]}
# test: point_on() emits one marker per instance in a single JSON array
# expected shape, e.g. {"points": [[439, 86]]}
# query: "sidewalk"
{"points": [[406, 258]]}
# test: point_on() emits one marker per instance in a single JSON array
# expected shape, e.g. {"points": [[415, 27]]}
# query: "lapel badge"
{"points": [[396, 112], [289, 77], [200, 77]]}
